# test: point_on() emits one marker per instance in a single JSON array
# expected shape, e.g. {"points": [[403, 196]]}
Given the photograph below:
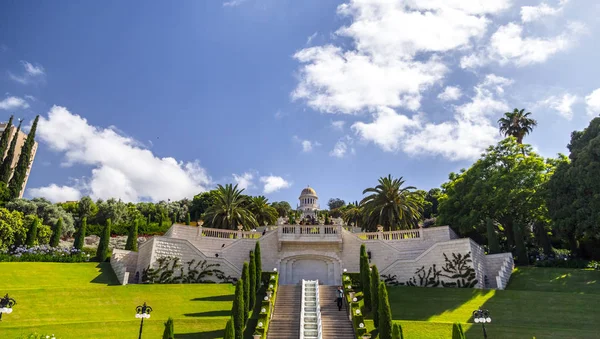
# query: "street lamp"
{"points": [[142, 312], [482, 316], [6, 305]]}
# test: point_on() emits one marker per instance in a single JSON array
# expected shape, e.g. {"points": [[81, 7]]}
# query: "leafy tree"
{"points": [[34, 223], [258, 259], [56, 233], [516, 124], [132, 243], [15, 185], [169, 332], [431, 207], [391, 205], [494, 246], [230, 209], [238, 310], [264, 214], [365, 276], [375, 294], [385, 313], [113, 209], [79, 240], [335, 203], [5, 137], [47, 211], [5, 167], [252, 281], [12, 229], [246, 279], [353, 215], [201, 203], [102, 251], [457, 331], [283, 208], [4, 194], [229, 330], [397, 332], [86, 208]]}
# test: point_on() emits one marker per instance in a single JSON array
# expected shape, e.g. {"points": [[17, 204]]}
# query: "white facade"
{"points": [[309, 203]]}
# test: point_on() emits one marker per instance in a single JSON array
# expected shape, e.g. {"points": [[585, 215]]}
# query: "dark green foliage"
{"points": [[365, 275], [375, 294], [258, 259], [460, 270], [188, 219], [56, 233], [522, 257], [16, 182], [457, 331], [169, 332], [32, 232], [5, 137], [5, 169], [385, 313], [102, 252], [229, 330], [252, 282], [238, 310], [246, 279], [397, 332], [81, 233], [493, 245], [132, 243]]}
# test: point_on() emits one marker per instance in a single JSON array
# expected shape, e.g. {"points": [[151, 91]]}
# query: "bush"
{"points": [[245, 277], [238, 310], [102, 252], [375, 294], [252, 280], [258, 259], [56, 233], [385, 313], [229, 331], [397, 332], [43, 253], [169, 332]]}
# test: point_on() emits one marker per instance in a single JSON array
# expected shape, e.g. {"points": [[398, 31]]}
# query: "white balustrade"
{"points": [[310, 312]]}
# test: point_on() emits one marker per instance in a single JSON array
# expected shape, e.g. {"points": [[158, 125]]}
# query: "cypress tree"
{"points": [[246, 279], [32, 232], [457, 331], [102, 251], [16, 182], [522, 256], [4, 138], [80, 236], [397, 332], [188, 220], [131, 244], [493, 245], [169, 332], [56, 233], [238, 310], [375, 294], [252, 281], [229, 331], [365, 276], [5, 169], [258, 259], [385, 313]]}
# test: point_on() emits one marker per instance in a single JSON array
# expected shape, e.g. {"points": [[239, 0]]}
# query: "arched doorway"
{"points": [[310, 266]]}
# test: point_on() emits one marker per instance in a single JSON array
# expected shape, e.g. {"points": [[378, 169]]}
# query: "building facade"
{"points": [[21, 137], [309, 204]]}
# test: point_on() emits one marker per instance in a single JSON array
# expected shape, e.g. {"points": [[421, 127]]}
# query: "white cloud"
{"points": [[233, 3], [311, 38], [122, 167], [56, 193], [10, 103], [387, 128], [307, 145], [31, 73], [593, 103], [534, 13], [562, 104], [450, 93], [244, 181], [342, 147], [338, 125], [274, 183]]}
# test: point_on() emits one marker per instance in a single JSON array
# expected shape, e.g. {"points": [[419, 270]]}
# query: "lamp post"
{"points": [[6, 305], [482, 316], [142, 312]]}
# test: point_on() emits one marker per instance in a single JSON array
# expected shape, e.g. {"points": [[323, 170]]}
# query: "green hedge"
{"points": [[272, 285], [353, 279]]}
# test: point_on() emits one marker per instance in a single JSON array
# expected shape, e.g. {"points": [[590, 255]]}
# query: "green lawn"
{"points": [[84, 301], [540, 302]]}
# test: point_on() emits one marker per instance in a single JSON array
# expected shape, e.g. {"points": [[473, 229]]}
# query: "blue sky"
{"points": [[150, 101]]}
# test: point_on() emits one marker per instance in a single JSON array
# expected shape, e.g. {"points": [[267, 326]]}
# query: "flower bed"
{"points": [[353, 296], [44, 253], [267, 304]]}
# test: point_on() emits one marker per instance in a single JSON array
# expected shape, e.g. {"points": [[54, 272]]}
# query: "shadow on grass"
{"points": [[221, 313], [555, 280], [107, 275], [227, 297], [201, 335]]}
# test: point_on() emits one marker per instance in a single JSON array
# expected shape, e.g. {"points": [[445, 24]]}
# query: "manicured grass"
{"points": [[541, 302], [84, 301]]}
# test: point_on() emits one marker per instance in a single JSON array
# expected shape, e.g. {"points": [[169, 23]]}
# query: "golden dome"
{"points": [[308, 191]]}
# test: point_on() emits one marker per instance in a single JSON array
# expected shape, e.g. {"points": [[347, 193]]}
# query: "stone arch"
{"points": [[310, 265]]}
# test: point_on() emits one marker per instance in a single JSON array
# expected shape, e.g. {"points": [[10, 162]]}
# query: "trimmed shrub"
{"points": [[238, 310], [258, 264], [131, 244], [188, 219], [80, 236], [375, 294], [102, 252], [169, 332], [457, 331], [56, 233], [397, 332], [365, 275], [246, 279], [252, 281], [493, 245], [385, 313], [32, 232], [229, 330]]}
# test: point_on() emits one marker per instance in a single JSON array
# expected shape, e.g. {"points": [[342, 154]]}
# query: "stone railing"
{"points": [[310, 312], [227, 234], [317, 231], [391, 235]]}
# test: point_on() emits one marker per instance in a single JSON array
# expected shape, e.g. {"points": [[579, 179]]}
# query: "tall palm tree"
{"points": [[262, 211], [353, 215], [517, 124], [391, 205], [229, 209]]}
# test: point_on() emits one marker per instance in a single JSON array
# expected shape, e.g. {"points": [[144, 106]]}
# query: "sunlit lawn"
{"points": [[541, 302], [84, 301]]}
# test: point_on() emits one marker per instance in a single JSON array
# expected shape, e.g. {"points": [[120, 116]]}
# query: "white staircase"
{"points": [[505, 272], [310, 313]]}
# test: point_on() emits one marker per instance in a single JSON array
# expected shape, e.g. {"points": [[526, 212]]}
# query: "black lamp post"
{"points": [[6, 305], [482, 316], [142, 312]]}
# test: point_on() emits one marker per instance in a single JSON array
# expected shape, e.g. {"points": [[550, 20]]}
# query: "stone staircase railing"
{"points": [[310, 313], [392, 235], [504, 273]]}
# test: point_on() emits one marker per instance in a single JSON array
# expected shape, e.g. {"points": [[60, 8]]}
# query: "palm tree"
{"points": [[229, 209], [391, 205], [353, 215], [263, 212], [517, 124]]}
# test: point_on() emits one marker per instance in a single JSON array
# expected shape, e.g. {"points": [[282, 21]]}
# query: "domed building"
{"points": [[309, 203]]}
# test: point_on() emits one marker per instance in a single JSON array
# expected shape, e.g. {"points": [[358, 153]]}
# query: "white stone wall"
{"points": [[124, 264]]}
